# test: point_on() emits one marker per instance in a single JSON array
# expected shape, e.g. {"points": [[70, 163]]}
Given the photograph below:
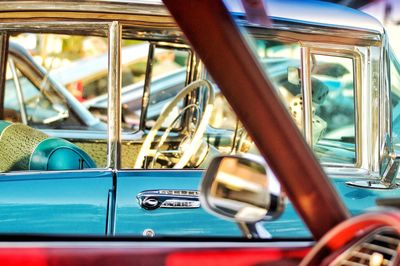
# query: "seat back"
{"points": [[26, 148]]}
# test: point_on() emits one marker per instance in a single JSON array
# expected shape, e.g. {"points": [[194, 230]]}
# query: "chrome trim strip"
{"points": [[134, 245], [120, 7], [385, 99], [114, 96], [307, 94], [310, 32], [70, 27]]}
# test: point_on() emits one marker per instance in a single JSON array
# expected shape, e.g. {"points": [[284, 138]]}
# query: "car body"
{"points": [[110, 199]]}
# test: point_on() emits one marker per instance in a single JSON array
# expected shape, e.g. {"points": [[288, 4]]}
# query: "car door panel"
{"points": [[54, 202], [357, 200], [132, 219]]}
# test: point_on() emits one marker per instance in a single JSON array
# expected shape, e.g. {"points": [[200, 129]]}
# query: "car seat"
{"points": [[26, 148]]}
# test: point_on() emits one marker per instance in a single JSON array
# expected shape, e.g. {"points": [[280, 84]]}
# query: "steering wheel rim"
{"points": [[198, 134]]}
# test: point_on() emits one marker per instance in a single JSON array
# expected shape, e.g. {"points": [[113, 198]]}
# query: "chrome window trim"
{"points": [[306, 92], [358, 47], [114, 96], [286, 29], [91, 28], [39, 175], [385, 99], [62, 27], [101, 6], [362, 160]]}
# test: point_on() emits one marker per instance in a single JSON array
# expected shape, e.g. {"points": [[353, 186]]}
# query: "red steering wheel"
{"points": [[349, 233]]}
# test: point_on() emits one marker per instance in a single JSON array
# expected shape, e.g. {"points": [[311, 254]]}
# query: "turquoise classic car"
{"points": [[141, 173]]}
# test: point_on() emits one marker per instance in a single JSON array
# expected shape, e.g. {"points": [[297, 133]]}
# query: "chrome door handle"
{"points": [[168, 198]]}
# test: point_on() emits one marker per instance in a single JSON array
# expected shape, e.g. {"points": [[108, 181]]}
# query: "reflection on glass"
{"points": [[333, 107], [167, 79]]}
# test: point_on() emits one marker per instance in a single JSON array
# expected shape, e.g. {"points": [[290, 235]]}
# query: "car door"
{"points": [[333, 110], [174, 192], [41, 192]]}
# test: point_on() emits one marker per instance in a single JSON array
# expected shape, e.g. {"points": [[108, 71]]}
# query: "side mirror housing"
{"points": [[241, 190]]}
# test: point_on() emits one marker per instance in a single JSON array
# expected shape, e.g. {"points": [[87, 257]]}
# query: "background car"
{"points": [[33, 98]]}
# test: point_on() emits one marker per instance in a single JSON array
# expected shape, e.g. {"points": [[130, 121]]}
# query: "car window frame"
{"points": [[339, 51], [190, 76], [109, 30]]}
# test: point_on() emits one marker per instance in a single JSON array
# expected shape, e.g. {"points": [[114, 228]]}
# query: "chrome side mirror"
{"points": [[241, 190], [389, 165]]}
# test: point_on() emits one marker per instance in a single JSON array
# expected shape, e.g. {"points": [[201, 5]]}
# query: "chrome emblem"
{"points": [[150, 203], [168, 198]]}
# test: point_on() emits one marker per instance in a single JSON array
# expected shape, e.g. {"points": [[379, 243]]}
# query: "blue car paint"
{"points": [[76, 203], [357, 201], [133, 220], [54, 202]]}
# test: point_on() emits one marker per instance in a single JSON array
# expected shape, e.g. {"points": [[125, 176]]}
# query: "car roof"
{"points": [[305, 11], [315, 12]]}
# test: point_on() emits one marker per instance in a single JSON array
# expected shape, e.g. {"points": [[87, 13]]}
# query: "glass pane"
{"points": [[48, 83], [133, 68], [332, 82], [167, 80], [39, 109]]}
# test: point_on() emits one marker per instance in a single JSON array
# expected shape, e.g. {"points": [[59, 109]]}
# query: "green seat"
{"points": [[26, 148]]}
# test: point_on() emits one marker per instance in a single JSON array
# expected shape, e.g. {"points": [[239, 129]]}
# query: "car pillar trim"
{"points": [[114, 96], [385, 113], [307, 97], [146, 89], [3, 66]]}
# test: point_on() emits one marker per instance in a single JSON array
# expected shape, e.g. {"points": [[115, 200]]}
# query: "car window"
{"points": [[168, 77], [333, 106], [134, 55], [47, 119], [27, 103], [332, 82]]}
